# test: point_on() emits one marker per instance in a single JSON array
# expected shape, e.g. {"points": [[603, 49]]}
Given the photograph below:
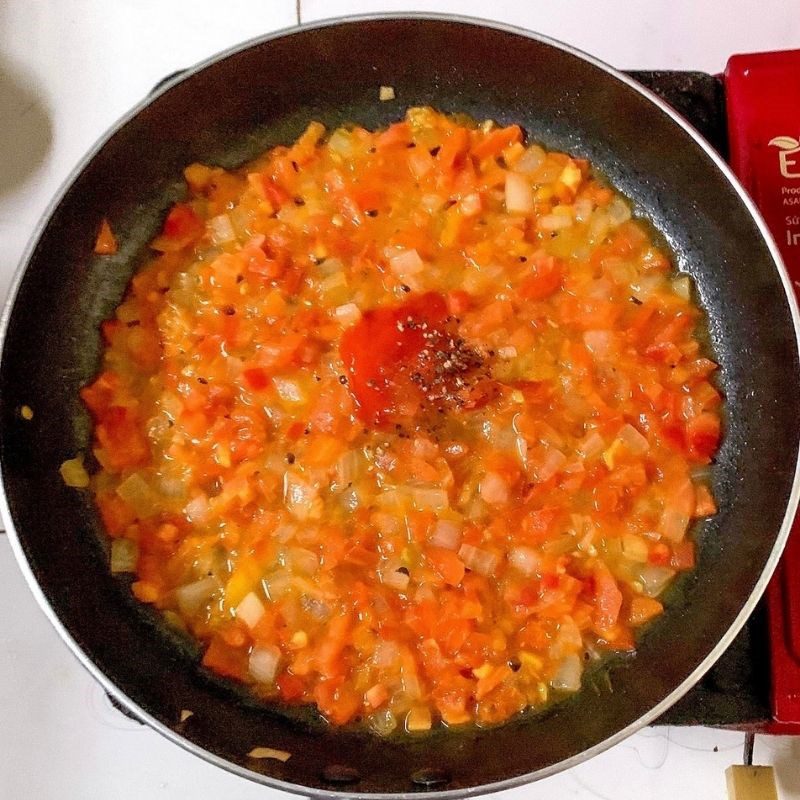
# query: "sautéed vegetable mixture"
{"points": [[409, 424]]}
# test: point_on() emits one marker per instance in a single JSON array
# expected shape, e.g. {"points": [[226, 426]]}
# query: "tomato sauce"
{"points": [[408, 425]]}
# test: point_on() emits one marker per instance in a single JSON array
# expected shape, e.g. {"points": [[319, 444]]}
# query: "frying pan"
{"points": [[263, 93]]}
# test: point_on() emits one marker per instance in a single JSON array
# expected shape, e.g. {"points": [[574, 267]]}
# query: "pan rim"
{"points": [[508, 783]]}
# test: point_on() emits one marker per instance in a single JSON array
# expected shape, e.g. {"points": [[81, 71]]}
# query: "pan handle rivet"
{"points": [[430, 778], [336, 773]]}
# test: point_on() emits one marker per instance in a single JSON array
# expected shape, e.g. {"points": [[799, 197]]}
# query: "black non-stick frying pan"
{"points": [[264, 93]]}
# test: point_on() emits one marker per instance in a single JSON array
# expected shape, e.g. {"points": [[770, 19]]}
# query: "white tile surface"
{"points": [[643, 34], [69, 68]]}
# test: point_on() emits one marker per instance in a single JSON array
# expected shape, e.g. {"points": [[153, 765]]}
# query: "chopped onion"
{"points": [[507, 352], [74, 474], [621, 272], [702, 473], [392, 499], [470, 205], [301, 498], [387, 524], [348, 314], [583, 209], [432, 202], [395, 579], [284, 533], [334, 281], [494, 489], [196, 510], [525, 559], [138, 494], [683, 287], [531, 160], [518, 194], [618, 211], [600, 343], [302, 560], [387, 654], [172, 487], [350, 499], [599, 226], [407, 262], [568, 640], [654, 579], [411, 684], [553, 461], [269, 752], [673, 525], [124, 555], [221, 229], [647, 286], [317, 608], [522, 449], [430, 499], [554, 222], [341, 142], [424, 448], [276, 585], [591, 445], [289, 390], [263, 664], [633, 440], [418, 719], [331, 266], [250, 610], [348, 466], [193, 596], [482, 561], [635, 548], [446, 534], [568, 675], [383, 722]]}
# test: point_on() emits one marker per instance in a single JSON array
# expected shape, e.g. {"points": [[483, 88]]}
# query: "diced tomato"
{"points": [[705, 505], [290, 687], [124, 444], [453, 149], [683, 555], [226, 660], [106, 242], [458, 301], [643, 609], [98, 396], [608, 598], [256, 378], [495, 142], [338, 702], [447, 564], [702, 435], [116, 513], [545, 280], [182, 223], [659, 554]]}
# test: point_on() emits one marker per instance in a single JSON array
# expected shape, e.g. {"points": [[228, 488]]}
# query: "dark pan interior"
{"points": [[264, 95]]}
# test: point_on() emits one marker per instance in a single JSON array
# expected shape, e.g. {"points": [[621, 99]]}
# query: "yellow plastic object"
{"points": [[751, 783]]}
